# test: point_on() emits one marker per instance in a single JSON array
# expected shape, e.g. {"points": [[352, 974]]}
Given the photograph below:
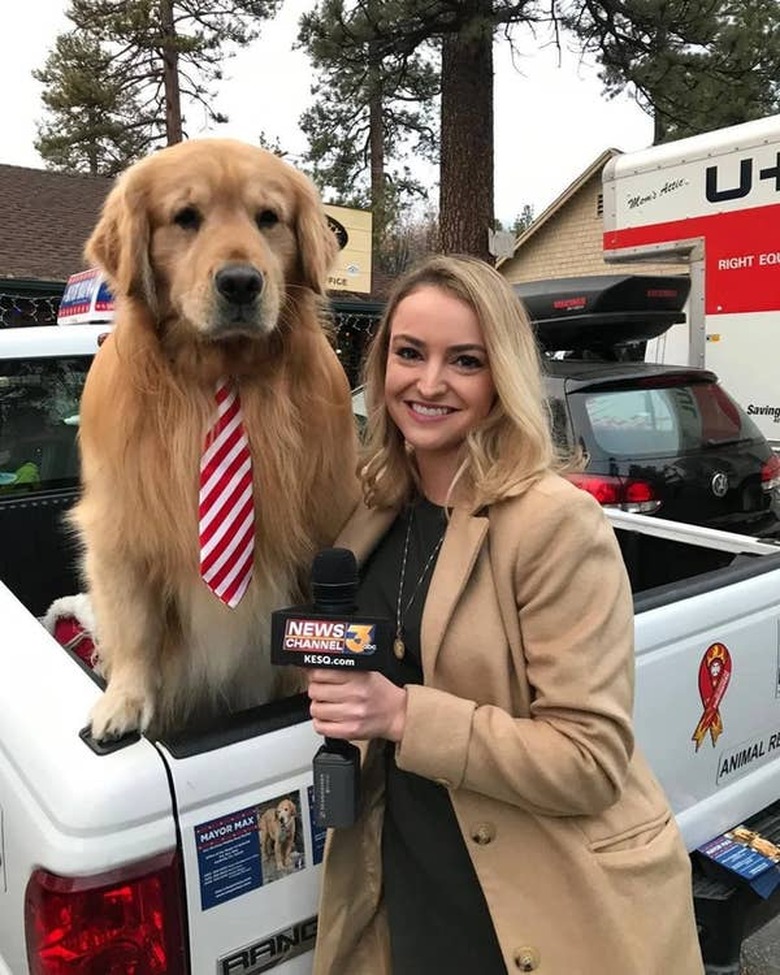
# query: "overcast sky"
{"points": [[550, 122]]}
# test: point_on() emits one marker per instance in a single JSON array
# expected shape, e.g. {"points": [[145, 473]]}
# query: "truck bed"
{"points": [[200, 797]]}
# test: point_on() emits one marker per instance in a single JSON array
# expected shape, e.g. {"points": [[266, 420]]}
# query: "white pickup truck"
{"points": [[152, 858]]}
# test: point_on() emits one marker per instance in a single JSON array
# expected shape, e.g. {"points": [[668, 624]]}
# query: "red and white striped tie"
{"points": [[226, 510]]}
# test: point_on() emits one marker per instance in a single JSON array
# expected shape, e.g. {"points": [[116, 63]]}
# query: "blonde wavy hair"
{"points": [[512, 447]]}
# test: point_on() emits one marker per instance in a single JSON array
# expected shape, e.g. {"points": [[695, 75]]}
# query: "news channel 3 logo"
{"points": [[360, 638]]}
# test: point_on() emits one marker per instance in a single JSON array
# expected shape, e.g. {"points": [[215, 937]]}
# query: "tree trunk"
{"points": [[466, 192], [173, 130], [376, 142], [659, 128]]}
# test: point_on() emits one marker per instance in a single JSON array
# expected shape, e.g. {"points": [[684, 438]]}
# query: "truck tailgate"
{"points": [[713, 743], [62, 806], [251, 872]]}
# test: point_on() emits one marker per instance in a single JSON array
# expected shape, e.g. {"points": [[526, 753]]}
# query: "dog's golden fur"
{"points": [[173, 221], [277, 833]]}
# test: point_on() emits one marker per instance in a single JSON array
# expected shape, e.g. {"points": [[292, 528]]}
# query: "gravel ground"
{"points": [[761, 951]]}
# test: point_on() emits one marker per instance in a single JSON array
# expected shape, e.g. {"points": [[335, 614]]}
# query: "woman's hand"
{"points": [[359, 705]]}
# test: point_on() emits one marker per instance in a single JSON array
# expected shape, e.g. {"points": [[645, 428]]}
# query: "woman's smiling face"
{"points": [[438, 383]]}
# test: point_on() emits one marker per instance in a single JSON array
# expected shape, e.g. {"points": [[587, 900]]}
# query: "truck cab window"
{"points": [[39, 414]]}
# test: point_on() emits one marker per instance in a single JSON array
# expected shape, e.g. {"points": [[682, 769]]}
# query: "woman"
{"points": [[507, 821]]}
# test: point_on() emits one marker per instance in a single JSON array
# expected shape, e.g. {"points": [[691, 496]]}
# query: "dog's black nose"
{"points": [[239, 283]]}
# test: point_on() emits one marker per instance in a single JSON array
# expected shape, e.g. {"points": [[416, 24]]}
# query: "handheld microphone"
{"points": [[329, 633]]}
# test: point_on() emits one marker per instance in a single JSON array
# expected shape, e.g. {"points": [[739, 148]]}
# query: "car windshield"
{"points": [[663, 420], [39, 415]]}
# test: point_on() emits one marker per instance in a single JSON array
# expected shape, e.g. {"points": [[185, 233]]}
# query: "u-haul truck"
{"points": [[713, 202]]}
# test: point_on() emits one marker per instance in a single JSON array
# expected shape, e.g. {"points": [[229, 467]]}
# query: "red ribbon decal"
{"points": [[714, 677]]}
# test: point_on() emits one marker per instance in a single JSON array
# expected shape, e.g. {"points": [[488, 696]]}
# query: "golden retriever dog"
{"points": [[217, 253], [277, 833]]}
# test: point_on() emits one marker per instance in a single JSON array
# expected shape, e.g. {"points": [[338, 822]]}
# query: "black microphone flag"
{"points": [[330, 632]]}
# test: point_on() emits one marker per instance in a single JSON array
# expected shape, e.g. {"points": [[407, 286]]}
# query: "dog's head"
{"points": [[210, 234], [285, 813]]}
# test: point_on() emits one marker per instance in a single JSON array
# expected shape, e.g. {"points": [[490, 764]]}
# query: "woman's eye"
{"points": [[469, 362], [188, 218], [266, 218], [407, 352]]}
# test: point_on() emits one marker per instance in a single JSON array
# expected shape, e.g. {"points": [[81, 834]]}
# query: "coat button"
{"points": [[483, 833], [526, 958]]}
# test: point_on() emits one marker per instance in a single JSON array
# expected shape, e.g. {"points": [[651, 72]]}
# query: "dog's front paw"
{"points": [[119, 712]]}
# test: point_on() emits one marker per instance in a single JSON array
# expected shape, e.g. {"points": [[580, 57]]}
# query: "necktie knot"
{"points": [[226, 507]]}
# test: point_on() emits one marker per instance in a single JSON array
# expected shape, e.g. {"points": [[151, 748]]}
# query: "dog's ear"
{"points": [[119, 244], [317, 243]]}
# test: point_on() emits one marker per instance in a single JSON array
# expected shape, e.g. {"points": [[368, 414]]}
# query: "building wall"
{"points": [[569, 244]]}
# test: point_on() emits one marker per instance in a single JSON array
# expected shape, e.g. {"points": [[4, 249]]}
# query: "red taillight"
{"points": [[627, 493], [606, 490], [638, 492], [770, 473], [126, 922]]}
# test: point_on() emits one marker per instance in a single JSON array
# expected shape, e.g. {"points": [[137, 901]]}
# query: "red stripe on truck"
{"points": [[741, 254]]}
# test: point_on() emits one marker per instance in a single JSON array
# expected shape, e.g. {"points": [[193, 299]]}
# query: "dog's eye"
{"points": [[266, 218], [188, 218]]}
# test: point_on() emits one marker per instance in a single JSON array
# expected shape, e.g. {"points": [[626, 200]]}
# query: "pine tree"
{"points": [[523, 220], [152, 55], [399, 31], [693, 65], [521, 223], [467, 133], [369, 115], [99, 126]]}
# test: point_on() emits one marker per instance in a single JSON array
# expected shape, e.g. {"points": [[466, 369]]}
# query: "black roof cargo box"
{"points": [[603, 310]]}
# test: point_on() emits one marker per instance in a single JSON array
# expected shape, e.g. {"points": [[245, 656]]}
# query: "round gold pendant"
{"points": [[398, 648]]}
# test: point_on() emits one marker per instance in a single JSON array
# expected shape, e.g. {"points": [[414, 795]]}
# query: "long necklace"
{"points": [[399, 647]]}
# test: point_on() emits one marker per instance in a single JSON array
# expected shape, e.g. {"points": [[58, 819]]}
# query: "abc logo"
{"points": [[359, 638]]}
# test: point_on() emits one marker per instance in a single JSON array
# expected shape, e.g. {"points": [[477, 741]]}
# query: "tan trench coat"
{"points": [[527, 650]]}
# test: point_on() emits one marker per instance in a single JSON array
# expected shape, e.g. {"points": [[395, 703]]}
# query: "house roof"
{"points": [[585, 176], [45, 220]]}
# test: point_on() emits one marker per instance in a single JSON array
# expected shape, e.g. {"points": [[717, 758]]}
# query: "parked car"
{"points": [[662, 440], [665, 440]]}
